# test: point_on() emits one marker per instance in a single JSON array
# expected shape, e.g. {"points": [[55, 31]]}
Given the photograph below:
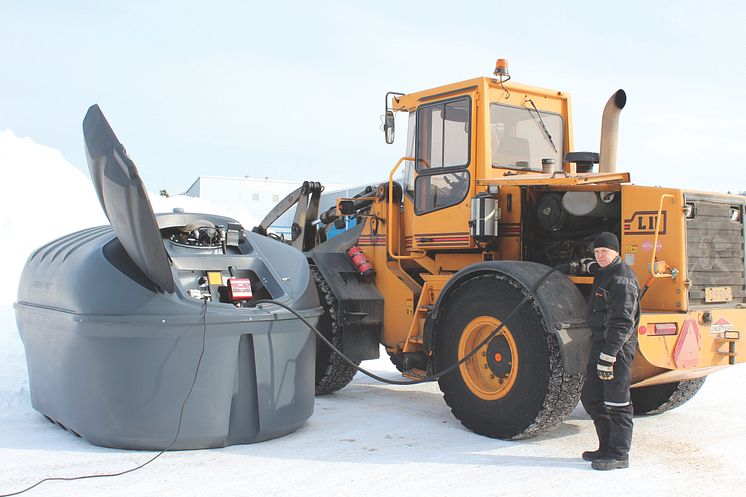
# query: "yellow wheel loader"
{"points": [[461, 240]]}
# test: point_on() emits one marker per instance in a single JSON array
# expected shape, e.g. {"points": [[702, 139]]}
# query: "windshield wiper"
{"points": [[540, 122]]}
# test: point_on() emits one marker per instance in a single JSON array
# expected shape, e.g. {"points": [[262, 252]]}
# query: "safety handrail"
{"points": [[653, 271], [390, 211]]}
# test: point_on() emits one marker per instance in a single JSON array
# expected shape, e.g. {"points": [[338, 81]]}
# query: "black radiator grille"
{"points": [[715, 250]]}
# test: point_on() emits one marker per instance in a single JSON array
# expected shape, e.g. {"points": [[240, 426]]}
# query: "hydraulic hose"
{"points": [[434, 376]]}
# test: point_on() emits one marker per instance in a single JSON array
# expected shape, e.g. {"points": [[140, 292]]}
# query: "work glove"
{"points": [[605, 366]]}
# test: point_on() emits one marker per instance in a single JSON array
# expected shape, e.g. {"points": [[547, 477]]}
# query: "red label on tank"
{"points": [[239, 289]]}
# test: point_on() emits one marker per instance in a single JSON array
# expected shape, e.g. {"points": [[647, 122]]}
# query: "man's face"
{"points": [[604, 256]]}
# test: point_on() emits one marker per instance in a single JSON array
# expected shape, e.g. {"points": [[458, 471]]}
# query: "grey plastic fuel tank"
{"points": [[113, 320]]}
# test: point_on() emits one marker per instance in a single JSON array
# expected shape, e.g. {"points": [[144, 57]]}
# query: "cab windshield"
{"points": [[522, 136]]}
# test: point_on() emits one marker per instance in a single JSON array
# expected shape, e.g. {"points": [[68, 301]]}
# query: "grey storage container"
{"points": [[114, 319]]}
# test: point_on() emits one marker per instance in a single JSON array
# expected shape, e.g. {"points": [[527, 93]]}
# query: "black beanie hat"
{"points": [[606, 239]]}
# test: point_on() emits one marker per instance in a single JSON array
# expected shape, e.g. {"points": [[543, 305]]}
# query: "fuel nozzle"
{"points": [[588, 265], [583, 266], [223, 238]]}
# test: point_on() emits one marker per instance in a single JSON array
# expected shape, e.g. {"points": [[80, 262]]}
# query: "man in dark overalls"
{"points": [[613, 316]]}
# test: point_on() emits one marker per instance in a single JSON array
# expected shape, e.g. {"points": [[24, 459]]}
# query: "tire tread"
{"points": [[682, 393], [563, 392], [337, 374]]}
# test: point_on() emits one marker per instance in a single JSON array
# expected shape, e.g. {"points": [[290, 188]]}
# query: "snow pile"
{"points": [[42, 197]]}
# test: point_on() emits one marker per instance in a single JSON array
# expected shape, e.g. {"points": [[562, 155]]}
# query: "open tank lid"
{"points": [[125, 200]]}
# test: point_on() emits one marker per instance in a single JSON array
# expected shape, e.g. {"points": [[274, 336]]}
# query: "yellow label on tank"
{"points": [[214, 278]]}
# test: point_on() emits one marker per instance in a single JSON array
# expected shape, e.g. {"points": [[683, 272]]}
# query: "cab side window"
{"points": [[442, 154]]}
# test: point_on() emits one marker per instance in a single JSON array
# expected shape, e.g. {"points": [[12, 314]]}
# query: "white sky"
{"points": [[294, 90]]}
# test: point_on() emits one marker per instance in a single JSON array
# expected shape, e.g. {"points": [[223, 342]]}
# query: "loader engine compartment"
{"points": [[559, 225]]}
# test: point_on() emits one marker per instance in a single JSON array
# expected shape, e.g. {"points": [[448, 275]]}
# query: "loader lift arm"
{"points": [[302, 232]]}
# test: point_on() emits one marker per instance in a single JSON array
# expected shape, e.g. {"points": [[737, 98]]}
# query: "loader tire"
{"points": [[516, 386], [657, 399], [397, 362], [332, 373]]}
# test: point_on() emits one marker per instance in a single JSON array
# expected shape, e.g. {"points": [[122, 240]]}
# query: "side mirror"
{"points": [[388, 126]]}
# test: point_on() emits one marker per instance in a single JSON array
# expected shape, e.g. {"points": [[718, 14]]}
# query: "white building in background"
{"points": [[256, 195]]}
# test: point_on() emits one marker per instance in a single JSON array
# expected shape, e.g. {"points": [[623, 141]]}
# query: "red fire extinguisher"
{"points": [[361, 263]]}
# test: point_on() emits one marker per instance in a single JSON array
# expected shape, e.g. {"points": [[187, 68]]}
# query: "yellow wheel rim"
{"points": [[477, 372]]}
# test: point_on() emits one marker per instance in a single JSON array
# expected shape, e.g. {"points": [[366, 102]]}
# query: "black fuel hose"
{"points": [[437, 375]]}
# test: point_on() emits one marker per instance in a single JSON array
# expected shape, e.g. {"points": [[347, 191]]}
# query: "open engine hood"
{"points": [[125, 200]]}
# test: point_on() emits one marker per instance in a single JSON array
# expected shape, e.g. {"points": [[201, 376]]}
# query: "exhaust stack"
{"points": [[610, 131]]}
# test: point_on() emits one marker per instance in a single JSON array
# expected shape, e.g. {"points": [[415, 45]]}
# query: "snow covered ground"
{"points": [[367, 440]]}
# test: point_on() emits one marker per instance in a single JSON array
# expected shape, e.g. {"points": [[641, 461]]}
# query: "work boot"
{"points": [[593, 455], [607, 464]]}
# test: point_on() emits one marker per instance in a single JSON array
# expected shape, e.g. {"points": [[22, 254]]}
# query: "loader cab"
{"points": [[489, 128], [466, 132]]}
